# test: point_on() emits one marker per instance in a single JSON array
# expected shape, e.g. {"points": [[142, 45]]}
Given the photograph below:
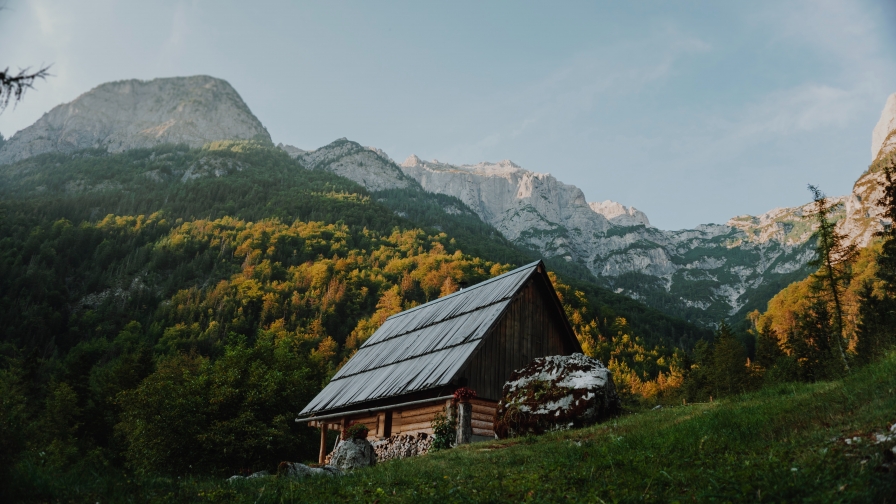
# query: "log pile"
{"points": [[399, 446]]}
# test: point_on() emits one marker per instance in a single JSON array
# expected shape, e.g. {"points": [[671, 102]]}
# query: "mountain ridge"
{"points": [[130, 114]]}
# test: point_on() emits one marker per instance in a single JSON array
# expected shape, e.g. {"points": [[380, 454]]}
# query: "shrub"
{"points": [[357, 431], [443, 428]]}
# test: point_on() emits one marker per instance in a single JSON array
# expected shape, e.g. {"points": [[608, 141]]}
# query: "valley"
{"points": [[175, 288]]}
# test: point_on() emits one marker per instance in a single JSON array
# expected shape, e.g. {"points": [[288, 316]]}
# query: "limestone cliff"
{"points": [[713, 268], [529, 208], [620, 214], [130, 114], [883, 138], [864, 215]]}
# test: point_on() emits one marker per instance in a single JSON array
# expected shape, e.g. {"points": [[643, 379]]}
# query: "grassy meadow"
{"points": [[784, 443]]}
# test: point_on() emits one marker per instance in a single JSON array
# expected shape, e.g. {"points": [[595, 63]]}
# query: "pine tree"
{"points": [[768, 350], [810, 342], [875, 323], [833, 258], [729, 371]]}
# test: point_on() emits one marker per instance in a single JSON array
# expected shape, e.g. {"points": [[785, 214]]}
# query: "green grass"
{"points": [[774, 445]]}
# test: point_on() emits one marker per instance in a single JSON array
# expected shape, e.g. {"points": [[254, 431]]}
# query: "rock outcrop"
{"points": [[619, 214], [864, 214], [883, 138], [553, 393], [353, 454], [296, 470], [368, 166], [131, 114]]}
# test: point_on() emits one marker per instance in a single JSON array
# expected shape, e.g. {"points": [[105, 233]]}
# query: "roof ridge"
{"points": [[464, 291]]}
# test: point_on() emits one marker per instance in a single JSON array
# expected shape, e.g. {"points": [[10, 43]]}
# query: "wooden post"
{"points": [[464, 423], [323, 443], [387, 424]]}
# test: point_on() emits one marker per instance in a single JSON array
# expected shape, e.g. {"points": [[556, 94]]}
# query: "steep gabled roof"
{"points": [[424, 347]]}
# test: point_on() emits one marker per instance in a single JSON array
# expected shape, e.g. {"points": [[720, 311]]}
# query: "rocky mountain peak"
{"points": [[864, 215], [620, 214], [412, 161], [131, 114], [883, 138], [368, 166]]}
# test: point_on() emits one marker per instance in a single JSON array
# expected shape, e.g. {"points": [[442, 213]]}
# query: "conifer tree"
{"points": [[768, 350], [810, 342], [833, 258], [729, 372]]}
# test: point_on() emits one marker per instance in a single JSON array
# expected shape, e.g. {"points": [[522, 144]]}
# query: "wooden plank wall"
{"points": [[530, 328], [415, 419], [484, 417]]}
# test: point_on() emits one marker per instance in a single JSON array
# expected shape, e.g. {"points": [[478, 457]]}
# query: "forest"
{"points": [[169, 311]]}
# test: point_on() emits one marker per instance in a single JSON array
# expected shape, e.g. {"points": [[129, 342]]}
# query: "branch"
{"points": [[13, 86]]}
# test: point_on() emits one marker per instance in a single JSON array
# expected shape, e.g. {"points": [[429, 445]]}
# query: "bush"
{"points": [[357, 431], [443, 428]]}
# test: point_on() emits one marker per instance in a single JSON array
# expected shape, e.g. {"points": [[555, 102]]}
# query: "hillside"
{"points": [[787, 443]]}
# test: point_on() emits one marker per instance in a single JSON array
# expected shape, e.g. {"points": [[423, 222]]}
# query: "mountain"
{"points": [[712, 272], [883, 138], [864, 216], [367, 166], [620, 214], [705, 274], [131, 114]]}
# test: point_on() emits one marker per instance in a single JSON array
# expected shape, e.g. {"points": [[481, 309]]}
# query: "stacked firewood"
{"points": [[400, 446]]}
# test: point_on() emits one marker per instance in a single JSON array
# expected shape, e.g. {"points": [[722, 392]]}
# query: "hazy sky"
{"points": [[693, 112]]}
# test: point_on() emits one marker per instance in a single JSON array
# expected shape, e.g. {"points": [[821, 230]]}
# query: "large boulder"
{"points": [[353, 454], [553, 393]]}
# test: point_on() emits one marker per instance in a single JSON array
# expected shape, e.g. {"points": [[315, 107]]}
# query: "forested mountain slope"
{"points": [[223, 285], [703, 275]]}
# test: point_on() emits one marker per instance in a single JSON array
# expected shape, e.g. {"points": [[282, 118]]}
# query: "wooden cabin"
{"points": [[406, 372]]}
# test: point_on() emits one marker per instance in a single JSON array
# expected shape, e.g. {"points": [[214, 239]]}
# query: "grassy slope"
{"points": [[774, 445]]}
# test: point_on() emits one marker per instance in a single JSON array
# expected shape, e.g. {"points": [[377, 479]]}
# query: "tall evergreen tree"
{"points": [[833, 258], [768, 350], [810, 343], [729, 358]]}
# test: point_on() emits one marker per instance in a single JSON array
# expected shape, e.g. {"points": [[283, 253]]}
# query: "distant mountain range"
{"points": [[706, 274]]}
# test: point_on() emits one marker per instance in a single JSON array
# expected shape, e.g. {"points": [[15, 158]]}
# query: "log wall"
{"points": [[415, 419], [531, 327]]}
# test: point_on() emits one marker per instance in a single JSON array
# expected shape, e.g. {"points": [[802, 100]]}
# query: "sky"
{"points": [[693, 112]]}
